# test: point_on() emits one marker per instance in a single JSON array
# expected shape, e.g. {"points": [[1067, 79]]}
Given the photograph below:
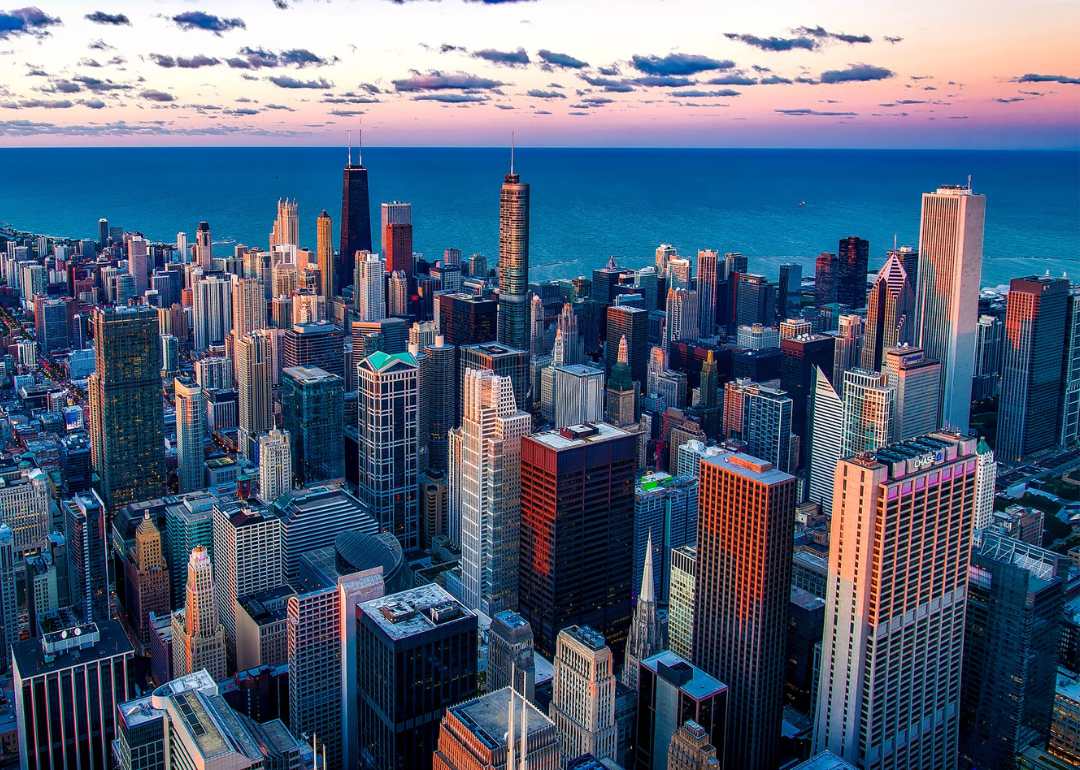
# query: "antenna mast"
{"points": [[360, 145], [511, 152], [350, 149]]}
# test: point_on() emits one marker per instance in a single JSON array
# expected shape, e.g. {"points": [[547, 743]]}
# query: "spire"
{"points": [[624, 356], [359, 145], [511, 153], [349, 162], [648, 591], [558, 353]]}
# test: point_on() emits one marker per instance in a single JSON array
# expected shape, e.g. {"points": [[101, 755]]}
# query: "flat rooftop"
{"points": [[487, 717], [29, 655], [415, 611], [590, 433], [700, 685], [826, 760], [748, 467]]}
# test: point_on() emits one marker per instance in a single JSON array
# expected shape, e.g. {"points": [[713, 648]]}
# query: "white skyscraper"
{"points": [[204, 248], [826, 431], [397, 300], [985, 481], [287, 226], [275, 465], [485, 490], [869, 401], [369, 287], [900, 544], [847, 350], [682, 315], [211, 311], [198, 638], [947, 296], [190, 430], [253, 384], [583, 694], [138, 252], [579, 395], [248, 305], [182, 255], [917, 380]]}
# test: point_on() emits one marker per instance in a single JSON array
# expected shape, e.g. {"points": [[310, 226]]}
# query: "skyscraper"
{"points": [[126, 414], [825, 439], [190, 431], [854, 254], [590, 471], [620, 406], [139, 262], [485, 490], [989, 347], [682, 598], [198, 639], [253, 385], [579, 395], [204, 248], [767, 426], [504, 361], [397, 237], [248, 306], [985, 482], [514, 262], [707, 286], [275, 465], [511, 661], [869, 404], [789, 290], [481, 734], [1070, 371], [1015, 599], [324, 256], [467, 319], [211, 311], [583, 694], [1031, 369], [312, 411], [917, 380], [874, 707], [890, 318], [388, 439], [847, 350], [631, 323], [287, 225], [147, 580], [826, 278], [682, 316], [441, 384], [355, 216], [369, 287], [947, 293], [745, 519], [799, 357], [9, 606]]}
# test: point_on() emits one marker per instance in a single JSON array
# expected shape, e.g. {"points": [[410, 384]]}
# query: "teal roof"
{"points": [[983, 448], [380, 360]]}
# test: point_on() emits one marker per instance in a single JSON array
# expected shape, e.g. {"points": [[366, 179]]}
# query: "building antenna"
{"points": [[360, 145], [894, 241], [350, 149], [511, 152], [969, 181]]}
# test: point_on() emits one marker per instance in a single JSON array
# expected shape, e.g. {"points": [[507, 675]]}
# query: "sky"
{"points": [[978, 74]]}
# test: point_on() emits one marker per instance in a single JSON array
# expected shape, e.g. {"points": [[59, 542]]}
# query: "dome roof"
{"points": [[357, 551]]}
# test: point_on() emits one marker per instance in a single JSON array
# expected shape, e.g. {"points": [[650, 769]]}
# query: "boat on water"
{"points": [[802, 203]]}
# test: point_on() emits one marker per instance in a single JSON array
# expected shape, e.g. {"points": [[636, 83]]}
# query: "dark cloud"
{"points": [[505, 107], [694, 94], [97, 84], [611, 71], [733, 79], [94, 104], [822, 34], [1031, 77], [63, 87], [157, 96], [25, 21], [773, 43], [116, 61], [350, 98], [89, 63], [679, 64], [806, 81], [806, 111], [774, 80], [207, 21], [371, 88], [536, 93], [758, 68], [958, 117], [259, 58], [301, 57], [516, 58], [450, 98], [347, 113], [36, 73], [123, 128], [1009, 99], [542, 112], [447, 48], [856, 73], [114, 19], [439, 81], [99, 45], [597, 101], [561, 59], [282, 81], [911, 101], [496, 2], [26, 104], [892, 39], [243, 111], [609, 85], [667, 81], [278, 107]]}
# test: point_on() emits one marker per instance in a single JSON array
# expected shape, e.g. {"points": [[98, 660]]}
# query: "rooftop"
{"points": [[592, 639], [415, 611], [308, 374], [487, 717], [578, 435], [826, 760], [694, 682], [806, 600], [32, 660], [748, 467]]}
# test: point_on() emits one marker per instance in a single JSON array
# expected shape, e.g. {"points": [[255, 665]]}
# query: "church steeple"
{"points": [[645, 637]]}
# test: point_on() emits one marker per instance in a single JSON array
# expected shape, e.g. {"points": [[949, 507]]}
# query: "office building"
{"points": [[989, 341], [707, 288], [682, 321], [51, 323], [275, 465], [874, 707], [947, 293], [423, 634], [916, 379], [691, 749], [1015, 605], [1070, 372], [324, 256], [767, 426], [494, 731], [189, 521], [253, 384], [467, 319], [440, 399], [286, 230], [9, 606], [312, 411], [198, 638], [847, 348], [510, 661], [853, 258], [87, 559], [147, 580], [645, 637], [674, 692], [590, 470], [26, 499], [633, 324], [92, 659], [388, 439], [1031, 374], [682, 598], [503, 361], [369, 287], [126, 414], [789, 290], [799, 357], [485, 490], [397, 236], [826, 279], [355, 217], [583, 693], [745, 518], [869, 403], [665, 517], [579, 395], [190, 435], [985, 486], [315, 345], [757, 337], [312, 518], [890, 318], [620, 399], [247, 555], [806, 625]]}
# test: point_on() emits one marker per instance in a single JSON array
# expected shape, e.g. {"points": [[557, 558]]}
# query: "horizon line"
{"points": [[531, 147]]}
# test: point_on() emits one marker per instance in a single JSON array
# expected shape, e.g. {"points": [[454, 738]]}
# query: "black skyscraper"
{"points": [[854, 254], [355, 217]]}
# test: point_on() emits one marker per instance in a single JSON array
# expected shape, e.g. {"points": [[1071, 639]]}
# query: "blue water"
{"points": [[587, 204]]}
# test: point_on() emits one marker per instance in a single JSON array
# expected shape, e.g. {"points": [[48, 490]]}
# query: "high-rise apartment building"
{"points": [[388, 439], [190, 434], [890, 308], [514, 262], [198, 638], [87, 559], [745, 518], [286, 231], [127, 422], [947, 293], [324, 256], [147, 580], [369, 287], [583, 694], [275, 465], [355, 217], [211, 311], [854, 256], [485, 490], [682, 321], [253, 385], [1070, 371], [682, 598], [397, 237], [826, 279], [917, 380], [875, 707], [1031, 374], [422, 634], [204, 248], [589, 470], [312, 411], [248, 306]]}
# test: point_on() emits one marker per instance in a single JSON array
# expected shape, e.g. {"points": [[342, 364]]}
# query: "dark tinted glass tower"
{"points": [[397, 237], [633, 324], [355, 217], [514, 263], [312, 410], [826, 271], [798, 357], [854, 255]]}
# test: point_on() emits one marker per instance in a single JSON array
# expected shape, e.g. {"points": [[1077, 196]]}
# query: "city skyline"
{"points": [[466, 73]]}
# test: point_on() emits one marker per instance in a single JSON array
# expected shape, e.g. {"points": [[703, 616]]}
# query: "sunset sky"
{"points": [[952, 74]]}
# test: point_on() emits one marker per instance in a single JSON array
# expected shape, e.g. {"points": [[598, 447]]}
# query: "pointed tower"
{"points": [[645, 638], [147, 580], [621, 409], [985, 480], [547, 377], [198, 636]]}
